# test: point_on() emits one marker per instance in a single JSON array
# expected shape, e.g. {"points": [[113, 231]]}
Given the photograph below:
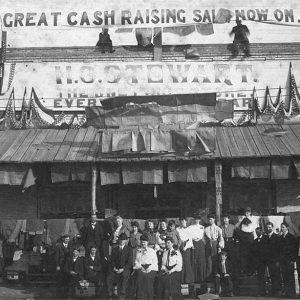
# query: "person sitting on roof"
{"points": [[105, 43], [240, 40]]}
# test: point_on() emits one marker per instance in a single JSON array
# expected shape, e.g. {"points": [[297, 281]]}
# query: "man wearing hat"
{"points": [[240, 33], [74, 269], [172, 267], [146, 264], [94, 268], [120, 266], [62, 251], [92, 234]]}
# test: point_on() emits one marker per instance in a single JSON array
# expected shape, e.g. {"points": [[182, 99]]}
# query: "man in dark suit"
{"points": [[94, 269], [271, 244], [62, 251], [223, 276], [241, 33], [258, 258], [298, 256], [288, 256], [105, 43], [74, 269], [120, 267], [92, 234]]}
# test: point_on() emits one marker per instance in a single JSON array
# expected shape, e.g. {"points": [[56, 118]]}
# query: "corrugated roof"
{"points": [[71, 145]]}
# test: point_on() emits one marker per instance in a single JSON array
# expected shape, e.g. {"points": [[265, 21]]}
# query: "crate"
{"points": [[14, 276], [85, 292]]}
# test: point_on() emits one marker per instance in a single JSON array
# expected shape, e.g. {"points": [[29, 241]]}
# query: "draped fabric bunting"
{"points": [[122, 141], [280, 168], [73, 172], [151, 114], [29, 179], [224, 110], [251, 169], [80, 172], [110, 173], [12, 174], [223, 16], [60, 173], [144, 36], [240, 169], [161, 141], [187, 171], [145, 173], [200, 140], [205, 28], [260, 168], [297, 166], [180, 30], [153, 173]]}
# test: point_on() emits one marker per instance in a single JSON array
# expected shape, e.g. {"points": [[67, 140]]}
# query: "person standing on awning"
{"points": [[240, 41]]}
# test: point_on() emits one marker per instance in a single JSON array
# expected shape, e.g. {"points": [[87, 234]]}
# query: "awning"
{"points": [[82, 145]]}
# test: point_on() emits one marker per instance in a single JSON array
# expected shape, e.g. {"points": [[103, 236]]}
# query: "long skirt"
{"points": [[187, 275], [145, 285], [170, 286], [199, 261], [246, 241], [211, 252]]}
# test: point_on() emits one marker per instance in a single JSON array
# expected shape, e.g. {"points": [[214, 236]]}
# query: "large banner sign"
{"points": [[62, 86], [77, 23]]}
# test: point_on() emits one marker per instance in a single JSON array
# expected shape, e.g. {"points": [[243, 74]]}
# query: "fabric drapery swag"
{"points": [[201, 140]]}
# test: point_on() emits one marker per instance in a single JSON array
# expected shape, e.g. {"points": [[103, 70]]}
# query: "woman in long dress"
{"points": [[198, 254], [187, 275], [246, 235]]}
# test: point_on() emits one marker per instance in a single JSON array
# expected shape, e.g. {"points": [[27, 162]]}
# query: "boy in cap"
{"points": [[120, 266], [223, 276]]}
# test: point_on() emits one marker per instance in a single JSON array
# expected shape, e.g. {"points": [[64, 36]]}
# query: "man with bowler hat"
{"points": [[120, 267]]}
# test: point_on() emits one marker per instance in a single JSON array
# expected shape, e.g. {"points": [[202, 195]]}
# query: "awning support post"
{"points": [[218, 179], [94, 187]]}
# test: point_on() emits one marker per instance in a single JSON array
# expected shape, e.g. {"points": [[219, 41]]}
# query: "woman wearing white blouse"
{"points": [[214, 242], [187, 275], [146, 264]]}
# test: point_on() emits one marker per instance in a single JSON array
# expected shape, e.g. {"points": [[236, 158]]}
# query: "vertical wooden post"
{"points": [[218, 178], [94, 188], [157, 42]]}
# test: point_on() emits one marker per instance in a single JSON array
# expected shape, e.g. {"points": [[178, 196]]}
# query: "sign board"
{"points": [[72, 86], [78, 23]]}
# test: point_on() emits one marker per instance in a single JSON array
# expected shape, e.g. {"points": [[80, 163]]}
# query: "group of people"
{"points": [[239, 31], [153, 263]]}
